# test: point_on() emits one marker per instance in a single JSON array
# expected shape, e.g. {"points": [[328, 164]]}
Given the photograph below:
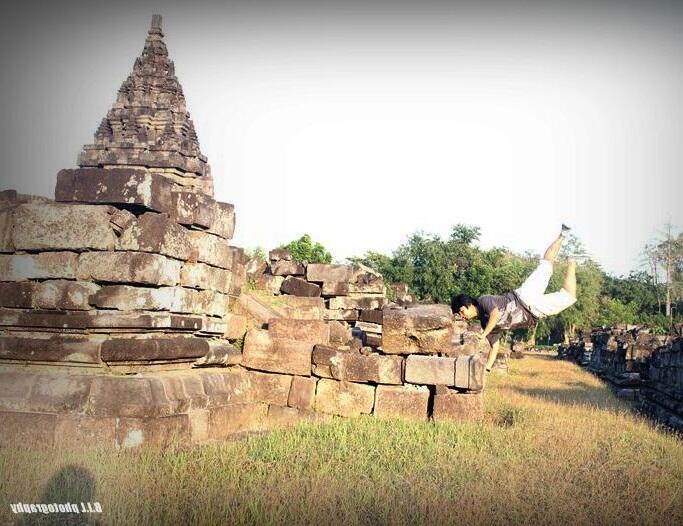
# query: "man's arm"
{"points": [[494, 317]]}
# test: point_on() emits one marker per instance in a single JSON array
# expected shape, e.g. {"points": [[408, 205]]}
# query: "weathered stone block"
{"points": [[372, 340], [157, 348], [371, 316], [339, 332], [47, 265], [296, 307], [372, 368], [308, 331], [470, 372], [458, 407], [373, 328], [404, 401], [265, 353], [227, 386], [468, 343], [270, 283], [73, 431], [269, 388], [211, 249], [370, 287], [341, 314], [279, 253], [128, 396], [402, 295], [236, 418], [421, 329], [16, 389], [64, 295], [52, 294], [156, 233], [330, 288], [102, 321], [343, 398], [17, 295], [357, 302], [185, 390], [192, 208], [322, 272], [328, 362], [128, 267], [173, 299], [221, 353], [115, 186], [223, 224], [59, 393], [152, 432], [19, 429], [201, 276], [46, 347], [302, 392], [279, 416], [57, 226], [430, 370], [255, 267], [283, 267], [237, 326], [121, 219], [299, 287]]}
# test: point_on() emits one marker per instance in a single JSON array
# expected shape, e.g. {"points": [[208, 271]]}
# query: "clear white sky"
{"points": [[362, 122]]}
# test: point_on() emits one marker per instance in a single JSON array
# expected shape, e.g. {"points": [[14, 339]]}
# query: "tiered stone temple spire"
{"points": [[149, 124], [131, 265]]}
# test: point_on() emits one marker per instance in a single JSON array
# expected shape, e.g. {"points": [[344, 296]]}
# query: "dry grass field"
{"points": [[556, 448]]}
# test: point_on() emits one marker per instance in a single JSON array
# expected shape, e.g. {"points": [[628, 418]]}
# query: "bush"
{"points": [[304, 249]]}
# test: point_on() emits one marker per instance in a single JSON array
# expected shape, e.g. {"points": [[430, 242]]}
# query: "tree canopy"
{"points": [[305, 249]]}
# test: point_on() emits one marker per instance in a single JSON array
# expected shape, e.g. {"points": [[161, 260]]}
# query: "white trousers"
{"points": [[532, 293]]}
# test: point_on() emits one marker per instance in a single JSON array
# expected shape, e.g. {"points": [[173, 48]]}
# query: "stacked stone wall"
{"points": [[643, 367]]}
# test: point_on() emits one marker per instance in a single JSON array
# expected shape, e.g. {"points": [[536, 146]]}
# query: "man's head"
{"points": [[464, 305]]}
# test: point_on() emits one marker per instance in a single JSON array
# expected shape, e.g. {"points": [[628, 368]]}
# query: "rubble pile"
{"points": [[662, 393], [643, 367], [332, 372]]}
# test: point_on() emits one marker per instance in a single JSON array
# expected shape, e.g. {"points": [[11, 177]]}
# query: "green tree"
{"points": [[613, 312], [304, 249], [256, 253]]}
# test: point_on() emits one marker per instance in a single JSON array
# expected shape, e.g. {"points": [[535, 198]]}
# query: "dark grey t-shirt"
{"points": [[513, 314]]}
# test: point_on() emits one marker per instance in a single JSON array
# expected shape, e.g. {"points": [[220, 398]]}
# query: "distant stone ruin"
{"points": [[125, 320], [645, 368]]}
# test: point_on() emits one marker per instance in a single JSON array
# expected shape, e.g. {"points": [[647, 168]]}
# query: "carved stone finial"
{"points": [[156, 24]]}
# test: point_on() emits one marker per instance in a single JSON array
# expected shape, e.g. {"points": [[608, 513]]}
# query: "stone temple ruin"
{"points": [[643, 367], [125, 320]]}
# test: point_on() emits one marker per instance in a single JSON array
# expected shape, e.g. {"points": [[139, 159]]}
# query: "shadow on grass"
{"points": [[74, 485], [576, 393]]}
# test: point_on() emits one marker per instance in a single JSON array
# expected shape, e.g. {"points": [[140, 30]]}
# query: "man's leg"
{"points": [[554, 249], [556, 302], [492, 356], [570, 278], [537, 281]]}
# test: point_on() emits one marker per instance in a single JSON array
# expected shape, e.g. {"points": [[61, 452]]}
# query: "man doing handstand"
{"points": [[523, 307]]}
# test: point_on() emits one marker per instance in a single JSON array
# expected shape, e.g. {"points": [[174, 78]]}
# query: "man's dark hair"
{"points": [[463, 300]]}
